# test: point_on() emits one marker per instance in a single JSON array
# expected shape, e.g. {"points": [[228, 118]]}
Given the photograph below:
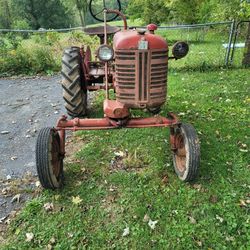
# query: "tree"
{"points": [[43, 13], [184, 11], [82, 6], [149, 11], [5, 14]]}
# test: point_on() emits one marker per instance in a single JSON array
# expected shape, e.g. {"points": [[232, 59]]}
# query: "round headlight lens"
{"points": [[180, 50], [105, 53]]}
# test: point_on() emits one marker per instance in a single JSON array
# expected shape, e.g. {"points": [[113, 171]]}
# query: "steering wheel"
{"points": [[96, 10]]}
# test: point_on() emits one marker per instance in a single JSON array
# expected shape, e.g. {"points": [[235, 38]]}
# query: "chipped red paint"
{"points": [[107, 123], [129, 39], [152, 27]]}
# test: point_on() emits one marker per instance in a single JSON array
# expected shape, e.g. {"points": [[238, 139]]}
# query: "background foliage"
{"points": [[25, 53], [64, 13]]}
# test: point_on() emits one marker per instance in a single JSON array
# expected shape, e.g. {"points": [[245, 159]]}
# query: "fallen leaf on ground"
{"points": [[57, 197], [213, 199], [219, 218], [6, 190], [16, 198], [229, 238], [119, 154], [48, 206], [3, 219], [76, 200], [52, 241], [152, 224], [7, 222], [38, 184], [146, 218], [5, 132], [125, 232], [197, 186], [29, 237], [243, 150], [192, 220], [70, 235], [165, 179], [199, 243], [8, 177], [49, 247], [243, 203]]}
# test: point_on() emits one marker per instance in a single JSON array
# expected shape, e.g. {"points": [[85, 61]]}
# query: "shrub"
{"points": [[29, 61]]}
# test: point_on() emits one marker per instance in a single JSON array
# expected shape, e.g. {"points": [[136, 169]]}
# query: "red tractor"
{"points": [[135, 67]]}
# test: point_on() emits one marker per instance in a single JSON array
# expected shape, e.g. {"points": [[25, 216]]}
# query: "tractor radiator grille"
{"points": [[141, 77]]}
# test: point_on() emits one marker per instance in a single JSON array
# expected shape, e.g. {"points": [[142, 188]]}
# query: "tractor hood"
{"points": [[129, 39]]}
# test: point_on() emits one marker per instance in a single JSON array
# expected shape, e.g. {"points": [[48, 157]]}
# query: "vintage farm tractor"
{"points": [[135, 68]]}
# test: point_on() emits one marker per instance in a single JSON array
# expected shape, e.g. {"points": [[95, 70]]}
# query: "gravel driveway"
{"points": [[26, 105]]}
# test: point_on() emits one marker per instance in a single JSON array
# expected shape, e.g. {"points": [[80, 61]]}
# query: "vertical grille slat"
{"points": [[140, 76], [146, 76]]}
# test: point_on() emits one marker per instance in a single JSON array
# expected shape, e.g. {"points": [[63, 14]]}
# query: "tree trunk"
{"points": [[246, 58], [31, 14], [78, 5], [5, 14]]}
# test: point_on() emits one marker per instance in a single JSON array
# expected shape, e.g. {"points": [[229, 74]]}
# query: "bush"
{"points": [[28, 61]]}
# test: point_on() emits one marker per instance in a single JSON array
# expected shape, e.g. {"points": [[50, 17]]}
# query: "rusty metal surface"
{"points": [[55, 154], [107, 123], [177, 143], [99, 30], [140, 77], [125, 25], [98, 87], [152, 27], [128, 40], [114, 109]]}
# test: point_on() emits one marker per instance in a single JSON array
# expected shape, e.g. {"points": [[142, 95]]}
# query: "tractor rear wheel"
{"points": [[73, 83], [186, 152], [49, 160]]}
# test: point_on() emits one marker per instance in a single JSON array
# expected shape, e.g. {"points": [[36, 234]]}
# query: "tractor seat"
{"points": [[99, 30]]}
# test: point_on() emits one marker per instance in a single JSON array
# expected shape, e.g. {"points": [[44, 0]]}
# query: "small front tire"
{"points": [[49, 160], [186, 152]]}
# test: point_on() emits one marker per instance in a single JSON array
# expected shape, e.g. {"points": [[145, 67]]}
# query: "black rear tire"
{"points": [[49, 161], [74, 87], [186, 156]]}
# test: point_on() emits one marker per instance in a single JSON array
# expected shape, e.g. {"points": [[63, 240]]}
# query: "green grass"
{"points": [[117, 192]]}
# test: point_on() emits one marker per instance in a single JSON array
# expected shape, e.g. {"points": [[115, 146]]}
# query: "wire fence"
{"points": [[22, 51]]}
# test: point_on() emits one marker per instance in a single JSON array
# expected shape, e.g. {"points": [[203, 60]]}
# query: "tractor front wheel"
{"points": [[49, 160], [73, 83], [186, 151]]}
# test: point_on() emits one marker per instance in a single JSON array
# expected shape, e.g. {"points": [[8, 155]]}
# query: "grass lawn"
{"points": [[122, 179]]}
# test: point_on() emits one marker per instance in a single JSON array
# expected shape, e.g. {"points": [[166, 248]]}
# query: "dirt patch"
{"points": [[72, 146], [127, 161]]}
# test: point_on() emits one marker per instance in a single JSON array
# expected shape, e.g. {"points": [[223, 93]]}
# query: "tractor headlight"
{"points": [[180, 50], [105, 53]]}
